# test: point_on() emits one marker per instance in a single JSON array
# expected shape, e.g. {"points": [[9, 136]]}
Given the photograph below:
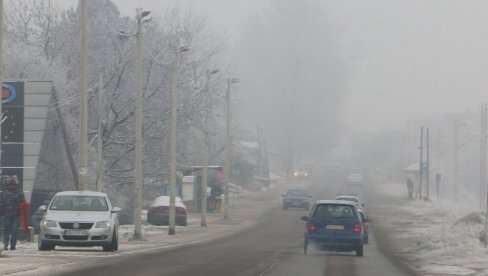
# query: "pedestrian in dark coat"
{"points": [[11, 198]]}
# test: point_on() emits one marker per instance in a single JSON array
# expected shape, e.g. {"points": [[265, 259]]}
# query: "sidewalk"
{"points": [[244, 212]]}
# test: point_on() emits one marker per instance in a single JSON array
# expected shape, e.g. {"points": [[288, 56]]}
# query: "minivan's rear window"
{"points": [[336, 211]]}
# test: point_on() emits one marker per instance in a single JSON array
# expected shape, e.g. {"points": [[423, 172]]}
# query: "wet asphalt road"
{"points": [[273, 247]]}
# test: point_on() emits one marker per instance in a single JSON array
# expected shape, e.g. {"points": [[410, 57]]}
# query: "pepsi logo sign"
{"points": [[8, 93]]}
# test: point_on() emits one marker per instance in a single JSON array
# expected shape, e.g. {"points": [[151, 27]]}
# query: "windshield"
{"points": [[297, 193], [79, 203]]}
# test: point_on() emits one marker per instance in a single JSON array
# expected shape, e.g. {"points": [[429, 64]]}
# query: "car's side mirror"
{"points": [[283, 195], [116, 210], [304, 218], [42, 209]]}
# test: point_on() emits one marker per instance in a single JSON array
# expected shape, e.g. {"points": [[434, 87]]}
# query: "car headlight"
{"points": [[296, 173], [49, 223], [102, 224]]}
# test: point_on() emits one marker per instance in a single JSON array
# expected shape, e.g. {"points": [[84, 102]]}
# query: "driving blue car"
{"points": [[333, 225]]}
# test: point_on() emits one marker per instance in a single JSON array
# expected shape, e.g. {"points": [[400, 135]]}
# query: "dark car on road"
{"points": [[333, 225], [365, 220], [158, 212], [296, 198]]}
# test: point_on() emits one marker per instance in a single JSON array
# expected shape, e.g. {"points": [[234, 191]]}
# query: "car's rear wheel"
{"points": [[359, 251], [307, 250], [366, 239], [114, 245], [43, 246]]}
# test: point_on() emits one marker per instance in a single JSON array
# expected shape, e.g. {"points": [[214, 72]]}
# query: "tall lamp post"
{"points": [[1, 82], [138, 148], [206, 151], [83, 101], [174, 103], [230, 81]]}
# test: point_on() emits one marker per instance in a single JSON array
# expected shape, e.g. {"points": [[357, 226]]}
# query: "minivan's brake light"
{"points": [[357, 228], [311, 227]]}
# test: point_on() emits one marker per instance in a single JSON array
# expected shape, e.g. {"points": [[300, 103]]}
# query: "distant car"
{"points": [[352, 198], [158, 212], [79, 218], [301, 174], [333, 225], [354, 179], [296, 198], [365, 220]]}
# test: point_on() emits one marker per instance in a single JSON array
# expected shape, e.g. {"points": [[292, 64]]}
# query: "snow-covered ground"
{"points": [[438, 237]]}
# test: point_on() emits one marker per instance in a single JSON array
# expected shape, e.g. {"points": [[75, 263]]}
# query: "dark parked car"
{"points": [[333, 225], [158, 212], [365, 220], [296, 199]]}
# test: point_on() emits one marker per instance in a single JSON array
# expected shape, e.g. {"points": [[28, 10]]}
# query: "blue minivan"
{"points": [[333, 225]]}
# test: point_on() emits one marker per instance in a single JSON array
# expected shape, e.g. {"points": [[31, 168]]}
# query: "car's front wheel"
{"points": [[114, 245], [44, 246]]}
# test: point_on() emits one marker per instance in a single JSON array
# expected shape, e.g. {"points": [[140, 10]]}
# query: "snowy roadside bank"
{"points": [[434, 237]]}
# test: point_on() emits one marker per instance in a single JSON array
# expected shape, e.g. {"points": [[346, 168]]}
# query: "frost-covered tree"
{"points": [[45, 44]]}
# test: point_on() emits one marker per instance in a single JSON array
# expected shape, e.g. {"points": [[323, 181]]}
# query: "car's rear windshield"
{"points": [[352, 199], [79, 203], [336, 211], [297, 193]]}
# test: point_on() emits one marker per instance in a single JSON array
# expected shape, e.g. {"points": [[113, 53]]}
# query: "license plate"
{"points": [[335, 227], [75, 233]]}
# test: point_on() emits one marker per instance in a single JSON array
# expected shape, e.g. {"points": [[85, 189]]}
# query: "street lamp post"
{"points": [[138, 146], [230, 81], [83, 101], [1, 82], [174, 103], [206, 151]]}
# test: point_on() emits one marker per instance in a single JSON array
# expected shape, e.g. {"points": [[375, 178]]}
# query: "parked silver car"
{"points": [[79, 218]]}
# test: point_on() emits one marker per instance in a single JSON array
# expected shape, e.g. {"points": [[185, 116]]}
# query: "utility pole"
{"points": [[421, 167], [427, 172], [438, 163], [482, 189], [138, 147], [1, 83], [455, 161], [206, 151], [228, 114], [174, 105], [99, 183], [83, 169]]}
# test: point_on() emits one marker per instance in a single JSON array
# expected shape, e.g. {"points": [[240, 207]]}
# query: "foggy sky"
{"points": [[408, 58]]}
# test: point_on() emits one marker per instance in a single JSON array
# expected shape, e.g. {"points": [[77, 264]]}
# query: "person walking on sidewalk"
{"points": [[410, 188], [11, 198]]}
